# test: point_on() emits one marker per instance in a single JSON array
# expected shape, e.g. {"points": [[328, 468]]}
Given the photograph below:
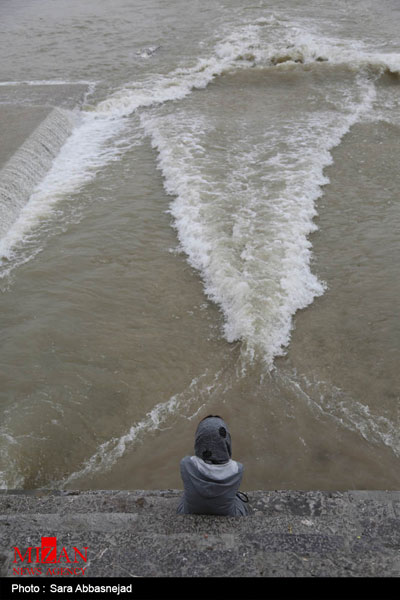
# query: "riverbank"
{"points": [[138, 534]]}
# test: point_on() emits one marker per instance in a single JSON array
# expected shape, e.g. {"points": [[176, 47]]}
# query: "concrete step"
{"points": [[138, 533]]}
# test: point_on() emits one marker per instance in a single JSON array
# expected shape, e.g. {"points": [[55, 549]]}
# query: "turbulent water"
{"points": [[205, 221]]}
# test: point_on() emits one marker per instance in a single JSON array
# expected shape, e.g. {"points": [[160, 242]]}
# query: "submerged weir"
{"points": [[28, 166]]}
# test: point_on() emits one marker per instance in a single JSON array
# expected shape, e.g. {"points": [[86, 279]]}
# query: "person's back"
{"points": [[211, 478]]}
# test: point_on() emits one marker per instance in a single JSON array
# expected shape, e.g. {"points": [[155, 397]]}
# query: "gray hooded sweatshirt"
{"points": [[211, 478]]}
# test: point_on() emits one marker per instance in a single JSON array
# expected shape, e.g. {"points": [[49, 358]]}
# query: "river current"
{"points": [[204, 221]]}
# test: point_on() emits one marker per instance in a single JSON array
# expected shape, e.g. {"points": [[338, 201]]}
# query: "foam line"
{"points": [[347, 412], [200, 391]]}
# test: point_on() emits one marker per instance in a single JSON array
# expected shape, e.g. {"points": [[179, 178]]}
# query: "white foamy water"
{"points": [[284, 261], [243, 128], [247, 231], [79, 160], [28, 166]]}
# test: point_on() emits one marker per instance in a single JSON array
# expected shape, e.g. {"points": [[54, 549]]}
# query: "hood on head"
{"points": [[213, 441]]}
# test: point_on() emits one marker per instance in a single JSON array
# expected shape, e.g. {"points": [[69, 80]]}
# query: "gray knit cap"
{"points": [[213, 440]]}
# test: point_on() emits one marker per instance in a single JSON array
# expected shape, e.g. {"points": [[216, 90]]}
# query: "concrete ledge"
{"points": [[24, 107], [138, 533]]}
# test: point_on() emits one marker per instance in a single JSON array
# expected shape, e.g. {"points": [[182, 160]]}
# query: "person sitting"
{"points": [[211, 478]]}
